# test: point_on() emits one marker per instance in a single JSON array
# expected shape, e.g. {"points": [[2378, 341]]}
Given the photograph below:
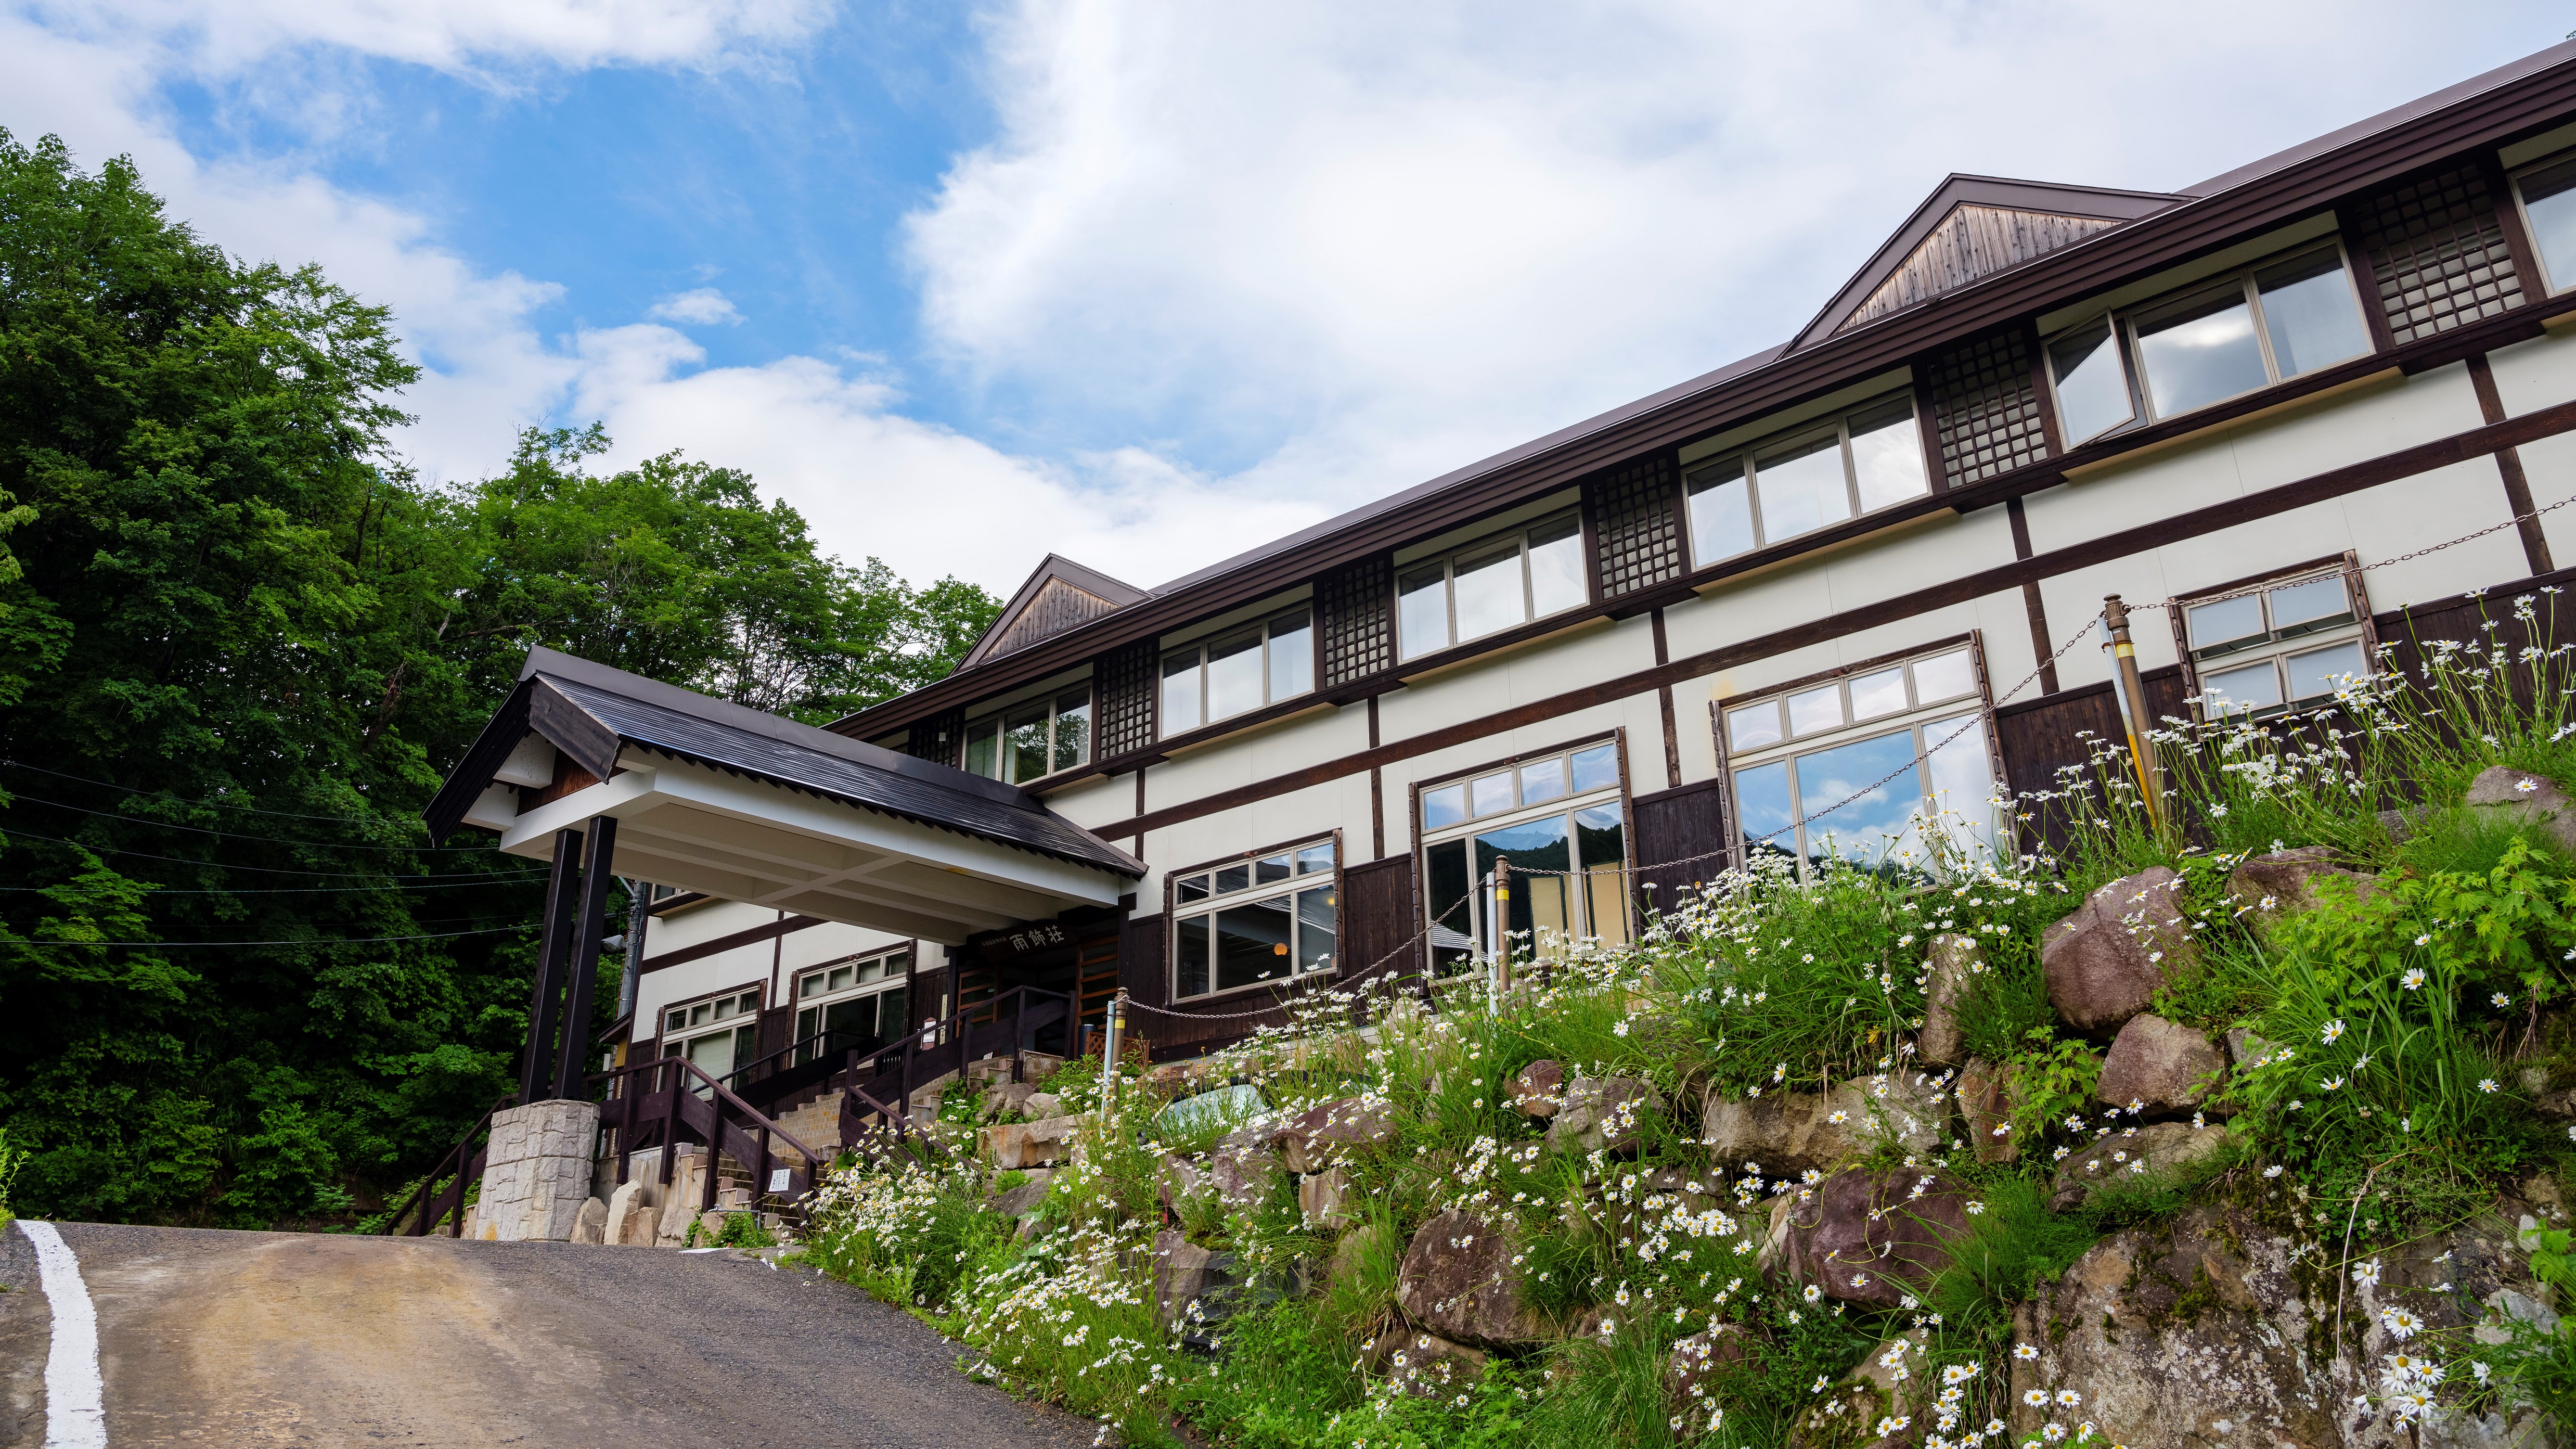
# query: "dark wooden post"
{"points": [[536, 1073], [589, 929]]}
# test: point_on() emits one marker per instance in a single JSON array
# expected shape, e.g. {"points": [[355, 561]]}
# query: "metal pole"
{"points": [[573, 1063], [2124, 658], [1503, 927], [536, 1072], [1109, 1047]]}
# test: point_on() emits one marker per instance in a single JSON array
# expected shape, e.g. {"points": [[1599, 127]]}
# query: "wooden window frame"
{"points": [[1054, 701], [1209, 906], [1424, 839], [2347, 565], [2550, 286], [1745, 455], [758, 986], [1268, 629], [1447, 562]]}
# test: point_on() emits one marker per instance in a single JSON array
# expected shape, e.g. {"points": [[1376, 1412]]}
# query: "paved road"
{"points": [[213, 1338]]}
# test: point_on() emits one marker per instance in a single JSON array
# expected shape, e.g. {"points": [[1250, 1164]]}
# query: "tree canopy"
{"points": [[240, 643]]}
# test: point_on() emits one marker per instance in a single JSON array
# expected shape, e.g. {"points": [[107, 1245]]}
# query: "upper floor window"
{"points": [[1525, 575], [1856, 766], [850, 1005], [2263, 649], [2218, 340], [1800, 481], [1032, 740], [1233, 673], [2548, 195], [1257, 921], [717, 1035], [1558, 818]]}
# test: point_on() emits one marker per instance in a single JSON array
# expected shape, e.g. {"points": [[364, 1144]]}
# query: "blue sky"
{"points": [[1143, 284]]}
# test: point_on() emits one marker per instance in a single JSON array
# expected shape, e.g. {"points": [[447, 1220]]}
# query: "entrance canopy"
{"points": [[714, 797]]}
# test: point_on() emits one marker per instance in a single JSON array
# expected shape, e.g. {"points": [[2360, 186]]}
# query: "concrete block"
{"points": [[536, 1178]]}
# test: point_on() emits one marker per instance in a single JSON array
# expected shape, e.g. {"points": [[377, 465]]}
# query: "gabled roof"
{"points": [[1059, 595], [593, 713], [1968, 229]]}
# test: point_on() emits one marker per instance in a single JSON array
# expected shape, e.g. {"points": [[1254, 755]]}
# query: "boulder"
{"points": [[1893, 1381], [2166, 1068], [1985, 1112], [1319, 1198], [1040, 1106], [1696, 1359], [1351, 1254], [1180, 1180], [1329, 1131], [627, 1215], [2532, 800], [2155, 1152], [2271, 888], [1954, 962], [1030, 1144], [1789, 1133], [1424, 1365], [1602, 1116], [2107, 960], [1875, 1238], [1019, 1202], [1458, 1280], [1180, 1275], [1538, 1090], [1004, 1098], [1242, 1178], [591, 1226]]}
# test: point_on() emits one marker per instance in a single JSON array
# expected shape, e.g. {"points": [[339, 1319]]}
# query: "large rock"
{"points": [[1424, 1365], [629, 1220], [1985, 1112], [2531, 800], [2108, 959], [1538, 1089], [1350, 1264], [1876, 1238], [1021, 1201], [1696, 1359], [2271, 888], [1030, 1144], [1894, 1381], [1320, 1195], [1329, 1132], [591, 1226], [1004, 1098], [1191, 1284], [1243, 1178], [1954, 962], [1458, 1280], [1788, 1133], [1602, 1116], [2163, 1067], [2158, 1152]]}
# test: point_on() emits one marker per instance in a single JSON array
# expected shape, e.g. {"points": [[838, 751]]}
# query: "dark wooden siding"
{"points": [[1985, 407], [1126, 703], [1971, 242], [1686, 825], [1059, 606], [1379, 917], [1636, 531], [937, 738], [776, 1032], [2435, 252], [1351, 621]]}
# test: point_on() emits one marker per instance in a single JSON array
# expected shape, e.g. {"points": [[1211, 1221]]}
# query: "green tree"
{"points": [[239, 645]]}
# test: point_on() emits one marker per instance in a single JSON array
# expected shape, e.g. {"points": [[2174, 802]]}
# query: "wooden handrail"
{"points": [[720, 1090], [421, 1198]]}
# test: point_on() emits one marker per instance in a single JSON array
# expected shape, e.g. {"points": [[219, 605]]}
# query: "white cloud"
{"points": [[453, 35], [699, 306], [928, 500]]}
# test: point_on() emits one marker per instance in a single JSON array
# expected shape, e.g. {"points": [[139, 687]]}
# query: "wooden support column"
{"points": [[536, 1069], [2517, 488], [572, 1064]]}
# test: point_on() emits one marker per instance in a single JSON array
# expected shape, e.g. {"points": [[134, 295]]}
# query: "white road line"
{"points": [[75, 1397]]}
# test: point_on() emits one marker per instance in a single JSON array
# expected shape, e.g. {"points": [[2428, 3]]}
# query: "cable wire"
{"points": [[212, 804], [312, 941], [7, 834], [236, 835]]}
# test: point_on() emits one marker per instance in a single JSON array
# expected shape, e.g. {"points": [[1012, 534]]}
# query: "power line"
{"points": [[265, 869], [441, 884], [314, 941], [211, 804], [235, 835]]}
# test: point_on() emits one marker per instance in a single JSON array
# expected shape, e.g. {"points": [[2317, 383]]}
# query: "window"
{"points": [[850, 1005], [1491, 587], [1237, 672], [718, 1036], [2549, 213], [2279, 646], [1811, 750], [2218, 340], [1796, 483], [1032, 740], [1256, 921], [1560, 813]]}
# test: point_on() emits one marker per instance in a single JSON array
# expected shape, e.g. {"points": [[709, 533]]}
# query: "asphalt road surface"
{"points": [[213, 1338]]}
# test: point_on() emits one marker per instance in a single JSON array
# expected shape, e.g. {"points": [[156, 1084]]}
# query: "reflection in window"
{"points": [[1820, 475], [2549, 204], [1032, 740], [1491, 587], [2286, 646], [2226, 338], [1557, 820], [2092, 383], [1235, 673], [1260, 921]]}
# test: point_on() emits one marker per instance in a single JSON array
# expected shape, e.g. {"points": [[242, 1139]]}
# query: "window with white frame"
{"points": [[1796, 482], [1236, 672], [718, 1036], [2547, 193], [1490, 586], [1851, 752], [1561, 820], [2277, 646], [850, 1004], [1032, 740], [2217, 339], [1258, 921]]}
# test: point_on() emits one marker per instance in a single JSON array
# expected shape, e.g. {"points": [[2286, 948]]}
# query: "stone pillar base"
{"points": [[536, 1173]]}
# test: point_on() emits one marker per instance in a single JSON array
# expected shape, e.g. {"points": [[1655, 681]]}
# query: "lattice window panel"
{"points": [[935, 739], [1638, 540], [1126, 685], [2437, 254], [1985, 408], [1350, 616]]}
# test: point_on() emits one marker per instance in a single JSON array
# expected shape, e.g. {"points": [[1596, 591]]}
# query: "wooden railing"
{"points": [[462, 1168], [674, 1099]]}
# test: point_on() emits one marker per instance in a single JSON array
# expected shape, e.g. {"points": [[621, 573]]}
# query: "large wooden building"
{"points": [[1621, 650]]}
